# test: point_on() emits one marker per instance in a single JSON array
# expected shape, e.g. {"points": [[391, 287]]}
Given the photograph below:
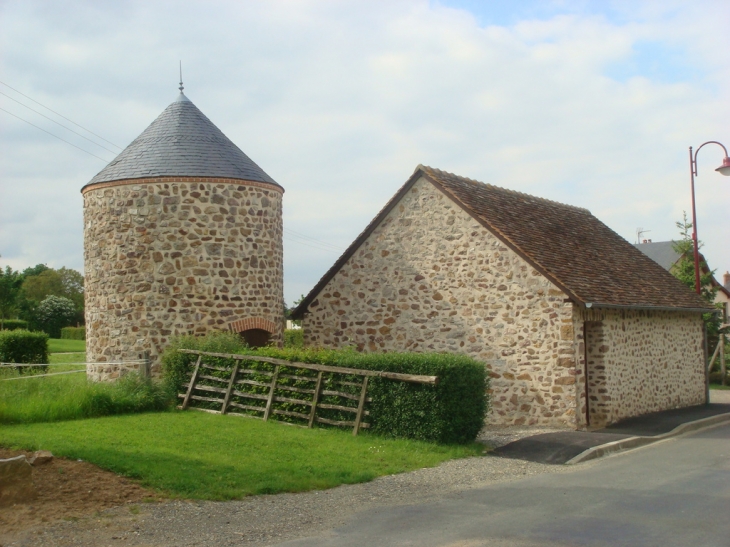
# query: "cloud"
{"points": [[340, 101]]}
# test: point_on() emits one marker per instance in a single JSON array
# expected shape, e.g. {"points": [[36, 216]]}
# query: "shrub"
{"points": [[294, 338], [14, 324], [73, 333], [54, 313], [22, 346], [451, 412]]}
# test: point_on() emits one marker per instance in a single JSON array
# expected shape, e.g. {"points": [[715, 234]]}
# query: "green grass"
{"points": [[719, 386], [196, 455], [72, 396], [59, 345]]}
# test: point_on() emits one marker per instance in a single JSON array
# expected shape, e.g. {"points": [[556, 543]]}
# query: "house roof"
{"points": [[591, 263], [661, 252], [182, 141]]}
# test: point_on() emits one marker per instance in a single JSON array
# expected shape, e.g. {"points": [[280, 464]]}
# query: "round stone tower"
{"points": [[182, 235]]}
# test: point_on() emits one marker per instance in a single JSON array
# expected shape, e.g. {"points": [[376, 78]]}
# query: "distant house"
{"points": [[575, 325], [664, 254]]}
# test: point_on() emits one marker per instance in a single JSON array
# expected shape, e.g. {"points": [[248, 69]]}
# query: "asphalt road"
{"points": [[672, 493]]}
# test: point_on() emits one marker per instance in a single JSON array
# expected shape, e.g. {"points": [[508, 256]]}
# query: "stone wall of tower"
{"points": [[178, 255]]}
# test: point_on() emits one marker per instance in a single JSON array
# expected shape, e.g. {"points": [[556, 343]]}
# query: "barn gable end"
{"points": [[521, 284]]}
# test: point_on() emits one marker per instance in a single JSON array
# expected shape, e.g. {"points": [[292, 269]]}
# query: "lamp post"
{"points": [[724, 169]]}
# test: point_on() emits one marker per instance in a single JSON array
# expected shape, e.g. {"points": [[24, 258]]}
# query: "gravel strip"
{"points": [[267, 520]]}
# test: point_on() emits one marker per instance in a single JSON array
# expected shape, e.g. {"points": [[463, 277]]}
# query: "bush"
{"points": [[73, 333], [22, 346], [14, 324], [54, 313], [451, 412], [294, 338]]}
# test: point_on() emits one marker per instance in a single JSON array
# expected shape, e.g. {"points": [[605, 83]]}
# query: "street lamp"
{"points": [[724, 169]]}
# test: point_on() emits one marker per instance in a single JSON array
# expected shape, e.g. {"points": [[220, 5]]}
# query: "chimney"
{"points": [[726, 280]]}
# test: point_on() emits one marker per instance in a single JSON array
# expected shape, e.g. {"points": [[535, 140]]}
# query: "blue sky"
{"points": [[589, 103]]}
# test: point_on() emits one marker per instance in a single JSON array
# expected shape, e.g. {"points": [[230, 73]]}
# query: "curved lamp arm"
{"points": [[724, 169]]}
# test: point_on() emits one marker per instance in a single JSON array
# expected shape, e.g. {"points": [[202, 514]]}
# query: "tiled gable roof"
{"points": [[570, 246], [182, 141], [590, 262]]}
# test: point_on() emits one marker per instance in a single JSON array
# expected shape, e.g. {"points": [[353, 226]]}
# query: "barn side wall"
{"points": [[431, 278], [167, 257], [643, 361]]}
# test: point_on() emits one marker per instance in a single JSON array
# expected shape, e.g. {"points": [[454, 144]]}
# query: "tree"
{"points": [[10, 283], [684, 270], [64, 282], [54, 313]]}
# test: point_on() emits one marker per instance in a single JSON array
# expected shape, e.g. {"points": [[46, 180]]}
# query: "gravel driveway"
{"points": [[265, 520]]}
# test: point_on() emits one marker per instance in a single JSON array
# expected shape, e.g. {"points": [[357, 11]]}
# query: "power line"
{"points": [[311, 246], [57, 114], [52, 135], [57, 123], [302, 236]]}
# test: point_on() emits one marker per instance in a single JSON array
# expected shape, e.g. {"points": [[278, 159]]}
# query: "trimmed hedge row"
{"points": [[452, 412], [22, 346], [73, 333], [14, 324], [293, 338]]}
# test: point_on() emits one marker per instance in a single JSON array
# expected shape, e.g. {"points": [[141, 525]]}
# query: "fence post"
{"points": [[146, 372]]}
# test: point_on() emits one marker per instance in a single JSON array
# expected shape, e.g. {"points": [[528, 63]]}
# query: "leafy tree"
{"points": [[10, 283], [684, 270], [63, 282], [35, 270], [54, 313]]}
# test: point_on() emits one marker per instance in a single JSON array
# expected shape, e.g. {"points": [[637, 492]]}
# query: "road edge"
{"points": [[630, 443]]}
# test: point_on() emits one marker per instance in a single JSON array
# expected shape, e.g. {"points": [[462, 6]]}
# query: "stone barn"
{"points": [[575, 325], [182, 235]]}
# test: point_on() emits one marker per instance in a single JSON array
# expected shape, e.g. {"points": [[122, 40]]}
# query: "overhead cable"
{"points": [[57, 123], [57, 114], [52, 135]]}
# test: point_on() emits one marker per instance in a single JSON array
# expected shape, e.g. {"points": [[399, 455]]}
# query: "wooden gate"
{"points": [[260, 386]]}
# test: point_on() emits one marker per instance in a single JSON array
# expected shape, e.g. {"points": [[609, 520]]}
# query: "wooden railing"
{"points": [[263, 392]]}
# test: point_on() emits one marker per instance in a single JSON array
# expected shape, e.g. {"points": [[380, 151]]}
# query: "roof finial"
{"points": [[181, 84]]}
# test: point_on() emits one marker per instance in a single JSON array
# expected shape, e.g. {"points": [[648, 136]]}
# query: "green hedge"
{"points": [[14, 324], [451, 412], [294, 338], [22, 346], [73, 333]]}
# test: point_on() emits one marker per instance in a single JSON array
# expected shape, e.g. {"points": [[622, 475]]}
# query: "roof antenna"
{"points": [[181, 84]]}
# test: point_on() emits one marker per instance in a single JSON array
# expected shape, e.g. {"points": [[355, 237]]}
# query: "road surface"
{"points": [[672, 493]]}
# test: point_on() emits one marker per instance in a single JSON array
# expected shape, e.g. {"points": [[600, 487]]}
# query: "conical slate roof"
{"points": [[182, 142]]}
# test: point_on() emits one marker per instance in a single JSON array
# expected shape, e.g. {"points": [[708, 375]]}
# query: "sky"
{"points": [[591, 103]]}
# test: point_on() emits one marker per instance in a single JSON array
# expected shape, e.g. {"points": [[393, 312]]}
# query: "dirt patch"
{"points": [[67, 490]]}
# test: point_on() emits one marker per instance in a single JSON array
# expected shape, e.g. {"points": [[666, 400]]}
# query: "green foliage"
{"points": [[684, 270], [22, 346], [14, 324], [10, 283], [294, 338], [54, 313], [73, 333], [198, 455], [72, 397], [452, 412]]}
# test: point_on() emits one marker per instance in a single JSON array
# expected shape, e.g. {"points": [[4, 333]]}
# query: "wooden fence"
{"points": [[264, 389]]}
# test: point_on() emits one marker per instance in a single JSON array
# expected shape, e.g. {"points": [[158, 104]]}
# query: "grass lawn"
{"points": [[203, 456], [719, 386], [61, 345]]}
